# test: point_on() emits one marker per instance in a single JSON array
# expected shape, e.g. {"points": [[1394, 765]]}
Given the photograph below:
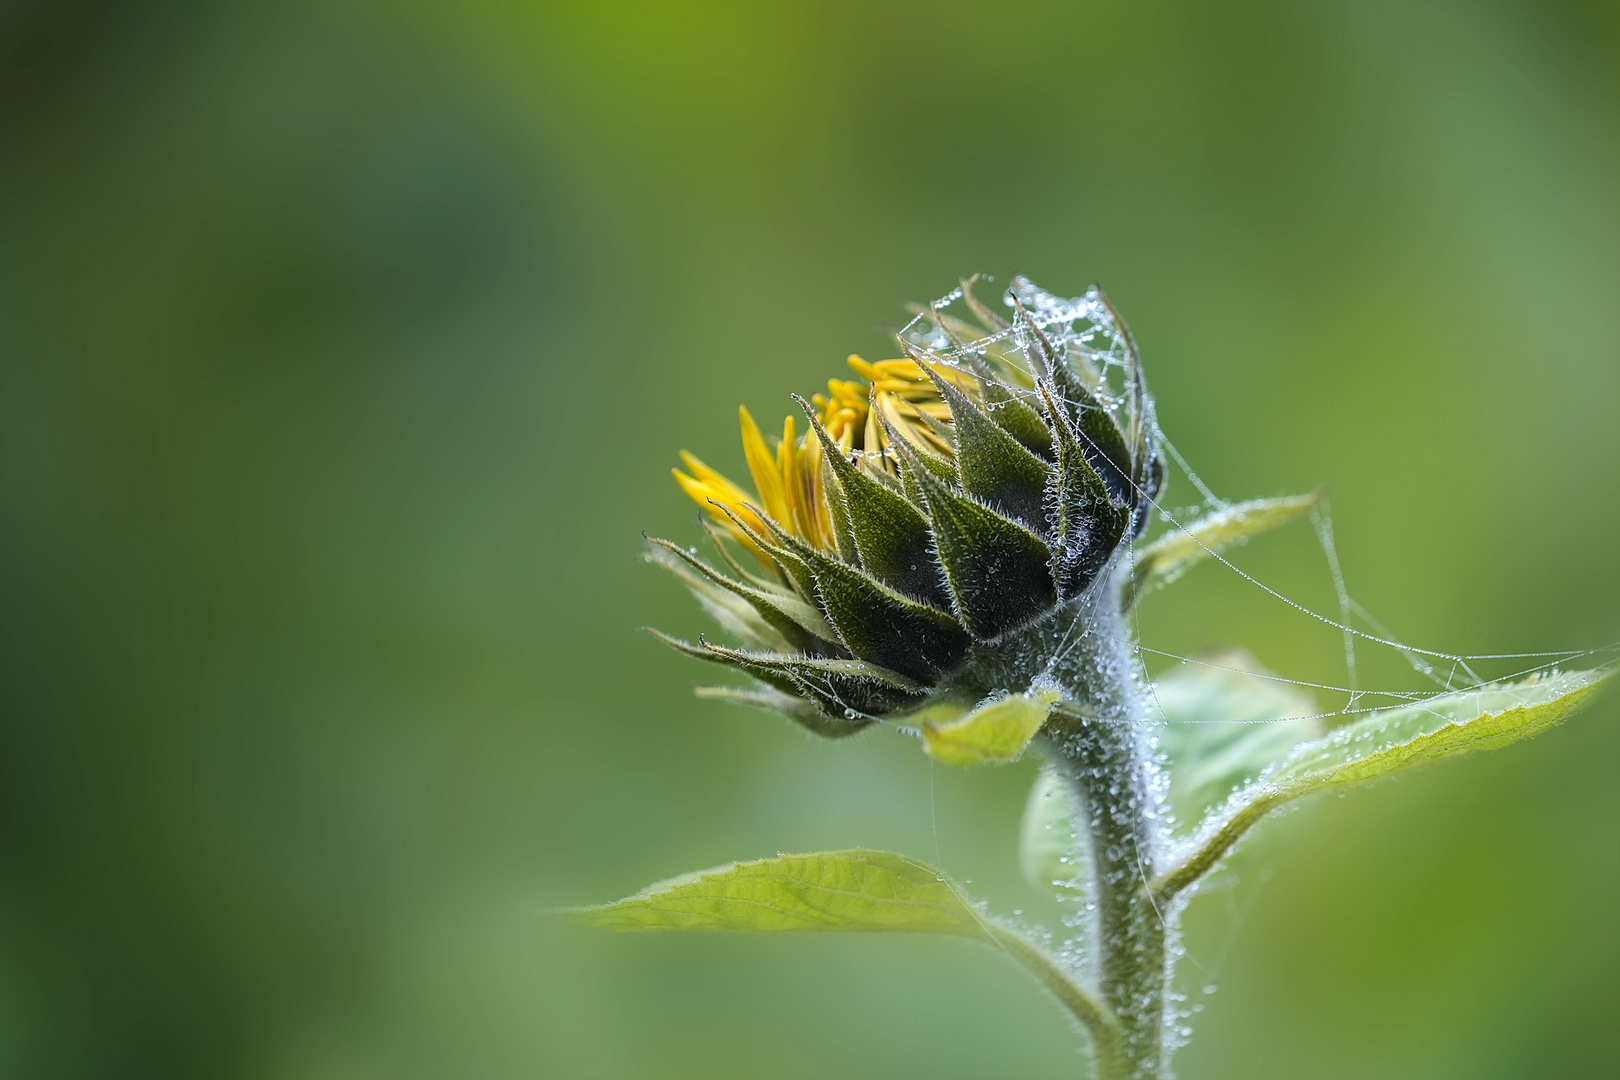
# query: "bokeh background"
{"points": [[344, 349]]}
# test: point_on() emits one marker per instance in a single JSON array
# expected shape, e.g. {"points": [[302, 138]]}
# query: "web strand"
{"points": [[1083, 328]]}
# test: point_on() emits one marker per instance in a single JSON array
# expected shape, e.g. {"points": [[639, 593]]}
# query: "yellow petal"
{"points": [[867, 371], [767, 481], [707, 487], [707, 475], [820, 513], [872, 440], [794, 492]]}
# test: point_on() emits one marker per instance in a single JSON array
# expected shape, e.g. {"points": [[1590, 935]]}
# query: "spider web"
{"points": [[1093, 343], [1088, 337]]}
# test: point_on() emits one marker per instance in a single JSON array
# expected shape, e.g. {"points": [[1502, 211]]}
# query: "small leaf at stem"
{"points": [[996, 731], [1168, 557], [854, 890], [858, 891]]}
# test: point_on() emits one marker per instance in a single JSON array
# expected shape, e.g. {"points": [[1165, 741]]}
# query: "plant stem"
{"points": [[1099, 747]]}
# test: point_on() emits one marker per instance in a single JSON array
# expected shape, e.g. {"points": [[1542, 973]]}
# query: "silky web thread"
{"points": [[1048, 312], [1415, 657], [1322, 519]]}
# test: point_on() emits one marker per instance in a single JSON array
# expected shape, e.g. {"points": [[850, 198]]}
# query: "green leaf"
{"points": [[793, 567], [1395, 739], [857, 891], [1225, 721], [996, 731], [831, 890], [1391, 741], [1048, 366], [1168, 557], [992, 321], [1050, 855], [843, 535]]}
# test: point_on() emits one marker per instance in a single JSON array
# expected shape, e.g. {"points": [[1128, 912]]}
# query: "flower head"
{"points": [[982, 482]]}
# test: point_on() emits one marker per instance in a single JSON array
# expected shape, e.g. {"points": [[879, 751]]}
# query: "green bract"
{"points": [[997, 730]]}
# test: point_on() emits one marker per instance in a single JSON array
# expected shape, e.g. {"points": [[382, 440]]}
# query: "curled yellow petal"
{"points": [[789, 480], [767, 481]]}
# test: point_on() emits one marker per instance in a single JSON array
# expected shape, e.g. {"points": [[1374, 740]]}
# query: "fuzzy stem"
{"points": [[1098, 746]]}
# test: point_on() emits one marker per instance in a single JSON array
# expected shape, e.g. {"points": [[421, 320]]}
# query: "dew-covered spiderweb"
{"points": [[1094, 344], [1091, 341]]}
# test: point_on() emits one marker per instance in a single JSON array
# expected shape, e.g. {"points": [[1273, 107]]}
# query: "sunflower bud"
{"points": [[944, 520]]}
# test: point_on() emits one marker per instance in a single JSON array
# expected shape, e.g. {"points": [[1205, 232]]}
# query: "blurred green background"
{"points": [[344, 349]]}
